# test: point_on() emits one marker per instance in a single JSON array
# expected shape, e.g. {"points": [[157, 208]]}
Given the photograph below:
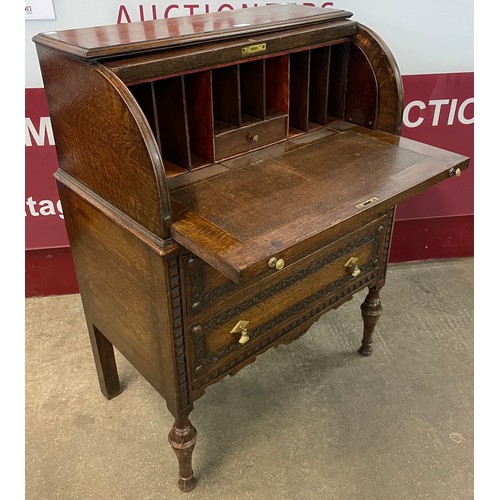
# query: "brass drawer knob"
{"points": [[255, 138], [241, 328], [352, 265], [278, 264]]}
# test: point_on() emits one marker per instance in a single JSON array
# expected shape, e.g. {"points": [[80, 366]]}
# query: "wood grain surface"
{"points": [[237, 225], [103, 41], [192, 151]]}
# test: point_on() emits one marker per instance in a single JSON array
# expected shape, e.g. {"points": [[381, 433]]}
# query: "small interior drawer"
{"points": [[253, 135]]}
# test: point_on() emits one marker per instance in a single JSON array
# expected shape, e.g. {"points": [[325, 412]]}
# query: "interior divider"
{"points": [[252, 89], [319, 82], [277, 74], [226, 96], [170, 97], [300, 71], [199, 103], [339, 55]]}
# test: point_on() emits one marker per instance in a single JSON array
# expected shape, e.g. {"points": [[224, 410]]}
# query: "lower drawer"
{"points": [[283, 334], [310, 284]]}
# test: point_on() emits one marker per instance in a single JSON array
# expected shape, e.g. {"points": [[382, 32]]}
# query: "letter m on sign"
{"points": [[38, 135]]}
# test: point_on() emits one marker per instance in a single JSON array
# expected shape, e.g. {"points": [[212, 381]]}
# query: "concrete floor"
{"points": [[309, 420]]}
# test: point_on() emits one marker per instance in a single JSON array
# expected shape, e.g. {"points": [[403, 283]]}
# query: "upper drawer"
{"points": [[297, 200], [207, 291]]}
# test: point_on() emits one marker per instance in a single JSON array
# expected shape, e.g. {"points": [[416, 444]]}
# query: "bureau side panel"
{"points": [[103, 139], [120, 284]]}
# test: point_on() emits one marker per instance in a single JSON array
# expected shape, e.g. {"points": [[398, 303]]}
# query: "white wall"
{"points": [[425, 36]]}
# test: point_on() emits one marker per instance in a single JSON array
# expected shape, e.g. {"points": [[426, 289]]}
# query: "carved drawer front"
{"points": [[239, 320]]}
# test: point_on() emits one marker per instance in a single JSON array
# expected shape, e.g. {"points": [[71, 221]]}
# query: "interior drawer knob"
{"points": [[255, 138], [353, 267], [279, 264]]}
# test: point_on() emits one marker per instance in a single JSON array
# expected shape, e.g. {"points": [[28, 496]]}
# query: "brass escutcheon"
{"points": [[241, 327], [253, 49], [278, 264], [352, 265], [367, 202]]}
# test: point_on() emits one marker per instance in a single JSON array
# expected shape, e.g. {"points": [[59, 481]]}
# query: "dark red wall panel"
{"points": [[44, 218], [439, 110], [432, 238], [30, 289], [52, 272]]}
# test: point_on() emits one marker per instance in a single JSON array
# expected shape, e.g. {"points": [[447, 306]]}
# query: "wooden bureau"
{"points": [[226, 179]]}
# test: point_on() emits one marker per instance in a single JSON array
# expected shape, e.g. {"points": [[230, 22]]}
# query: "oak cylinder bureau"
{"points": [[226, 179]]}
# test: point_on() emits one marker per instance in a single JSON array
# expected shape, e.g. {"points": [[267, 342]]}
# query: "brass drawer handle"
{"points": [[278, 264], [241, 327], [255, 138], [352, 265]]}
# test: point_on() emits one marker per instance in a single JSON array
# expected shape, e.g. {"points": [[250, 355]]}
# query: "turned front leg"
{"points": [[182, 438], [371, 309]]}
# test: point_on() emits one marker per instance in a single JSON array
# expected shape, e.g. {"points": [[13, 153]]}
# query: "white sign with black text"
{"points": [[38, 9]]}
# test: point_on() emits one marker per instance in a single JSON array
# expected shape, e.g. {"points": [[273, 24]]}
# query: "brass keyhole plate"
{"points": [[240, 326]]}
